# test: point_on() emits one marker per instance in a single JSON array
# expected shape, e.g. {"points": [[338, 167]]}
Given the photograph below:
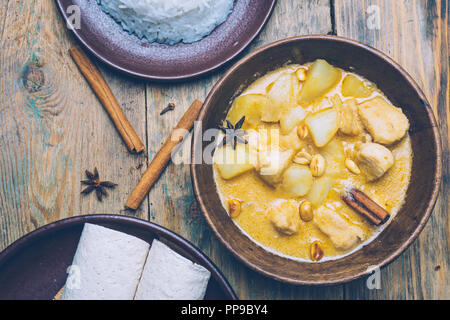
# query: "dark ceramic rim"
{"points": [[24, 241], [177, 78], [438, 157]]}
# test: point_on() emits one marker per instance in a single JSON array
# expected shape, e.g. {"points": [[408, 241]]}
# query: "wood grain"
{"points": [[415, 33], [164, 155], [109, 101], [52, 128]]}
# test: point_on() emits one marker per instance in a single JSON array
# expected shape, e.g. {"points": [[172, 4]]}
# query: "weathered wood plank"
{"points": [[53, 127], [172, 203], [415, 34], [51, 130]]}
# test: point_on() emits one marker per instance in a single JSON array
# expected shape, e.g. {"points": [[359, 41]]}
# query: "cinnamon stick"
{"points": [[108, 100], [362, 204], [159, 162]]}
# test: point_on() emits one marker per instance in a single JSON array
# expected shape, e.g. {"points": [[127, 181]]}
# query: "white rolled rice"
{"points": [[168, 21], [107, 265], [170, 276]]}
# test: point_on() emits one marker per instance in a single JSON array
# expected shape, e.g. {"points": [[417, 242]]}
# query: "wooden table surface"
{"points": [[50, 132]]}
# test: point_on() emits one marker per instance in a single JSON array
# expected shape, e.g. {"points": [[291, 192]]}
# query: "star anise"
{"points": [[94, 183], [233, 133]]}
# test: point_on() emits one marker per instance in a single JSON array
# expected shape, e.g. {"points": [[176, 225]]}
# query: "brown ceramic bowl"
{"points": [[34, 267], [399, 88]]}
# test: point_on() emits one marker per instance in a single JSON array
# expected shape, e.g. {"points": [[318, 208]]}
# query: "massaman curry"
{"points": [[313, 161]]}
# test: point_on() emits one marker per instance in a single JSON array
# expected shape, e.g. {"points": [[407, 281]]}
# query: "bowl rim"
{"points": [[437, 178], [178, 240]]}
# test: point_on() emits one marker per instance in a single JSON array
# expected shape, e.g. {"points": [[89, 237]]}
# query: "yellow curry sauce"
{"points": [[256, 196]]}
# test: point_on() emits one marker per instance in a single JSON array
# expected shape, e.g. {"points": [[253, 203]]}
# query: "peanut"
{"points": [[306, 211], [234, 207], [316, 251]]}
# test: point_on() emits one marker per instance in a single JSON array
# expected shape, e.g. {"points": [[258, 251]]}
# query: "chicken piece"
{"points": [[349, 122], [285, 217], [373, 159], [342, 233], [272, 163], [291, 141], [386, 123]]}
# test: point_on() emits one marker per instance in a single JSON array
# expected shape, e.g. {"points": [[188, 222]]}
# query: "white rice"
{"points": [[168, 21]]}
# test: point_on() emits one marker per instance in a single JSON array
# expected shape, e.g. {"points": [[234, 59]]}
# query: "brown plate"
{"points": [[399, 88], [106, 39], [34, 267]]}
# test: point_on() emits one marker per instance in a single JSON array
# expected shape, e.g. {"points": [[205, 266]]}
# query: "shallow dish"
{"points": [[399, 88], [34, 267], [105, 38]]}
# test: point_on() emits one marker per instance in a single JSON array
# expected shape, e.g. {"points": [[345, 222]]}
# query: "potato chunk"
{"points": [[249, 106], [374, 160], [349, 122], [323, 125], [291, 119], [281, 96], [334, 155], [342, 233], [263, 85], [285, 217], [272, 164], [269, 138], [297, 180], [352, 86], [385, 123], [271, 112], [320, 79], [232, 163], [320, 190]]}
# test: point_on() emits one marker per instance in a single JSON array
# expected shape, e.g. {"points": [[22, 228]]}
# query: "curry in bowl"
{"points": [[314, 161]]}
